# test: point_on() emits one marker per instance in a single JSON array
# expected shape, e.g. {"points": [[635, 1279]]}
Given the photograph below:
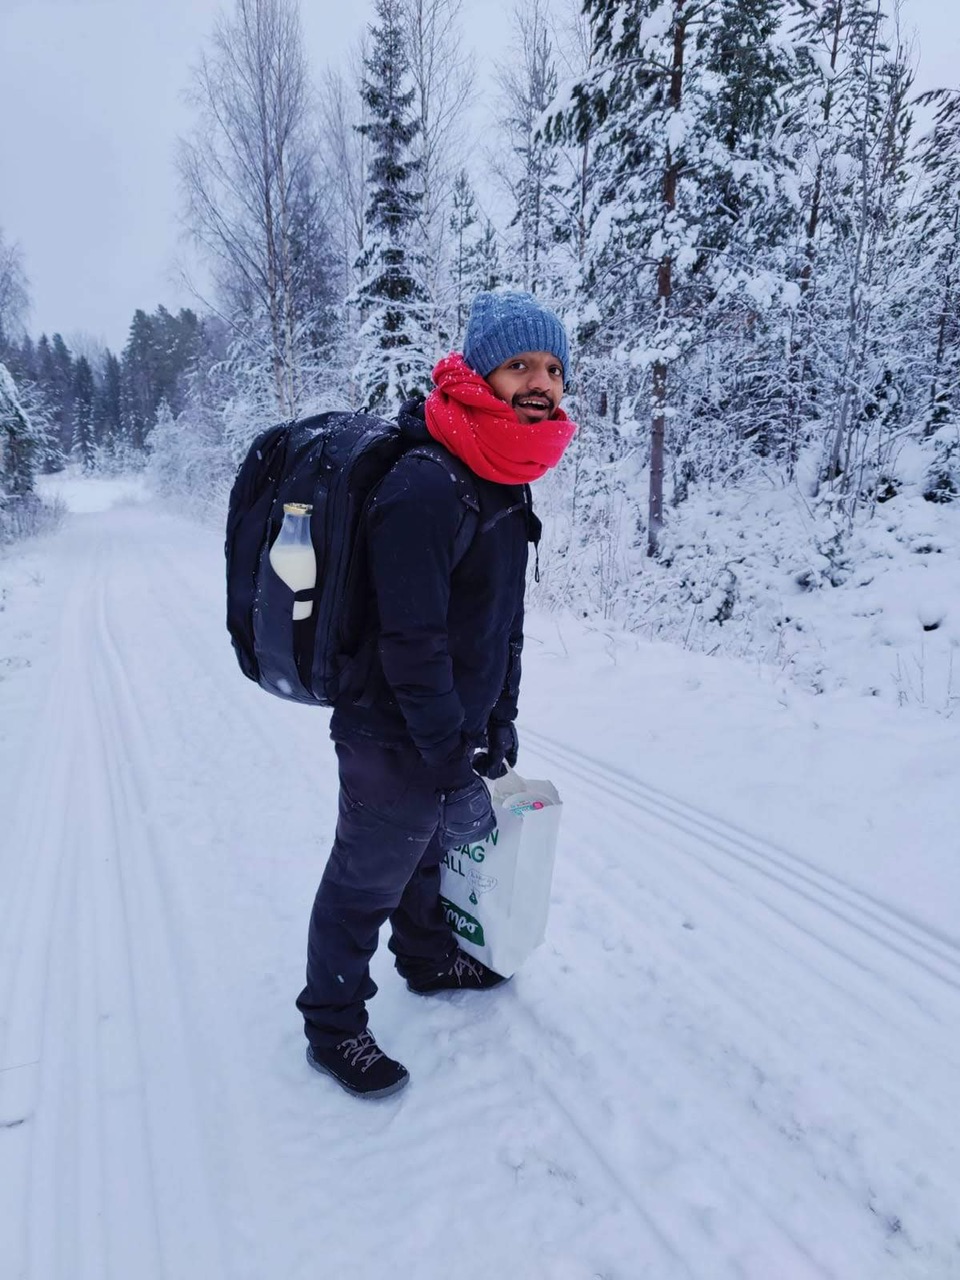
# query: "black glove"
{"points": [[501, 750], [466, 814]]}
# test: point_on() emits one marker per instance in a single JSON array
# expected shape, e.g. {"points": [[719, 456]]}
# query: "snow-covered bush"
{"points": [[27, 515], [191, 462]]}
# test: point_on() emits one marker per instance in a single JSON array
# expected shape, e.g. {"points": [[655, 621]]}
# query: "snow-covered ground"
{"points": [[737, 1056]]}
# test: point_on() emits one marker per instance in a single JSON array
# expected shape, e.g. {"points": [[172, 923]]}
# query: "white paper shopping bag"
{"points": [[496, 892]]}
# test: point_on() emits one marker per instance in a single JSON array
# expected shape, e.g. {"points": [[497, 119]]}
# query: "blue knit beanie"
{"points": [[502, 325]]}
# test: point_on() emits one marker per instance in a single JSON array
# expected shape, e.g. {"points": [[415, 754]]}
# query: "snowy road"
{"points": [[729, 1061]]}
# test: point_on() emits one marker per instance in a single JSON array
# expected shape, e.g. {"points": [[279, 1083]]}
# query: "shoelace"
{"points": [[465, 964], [361, 1051]]}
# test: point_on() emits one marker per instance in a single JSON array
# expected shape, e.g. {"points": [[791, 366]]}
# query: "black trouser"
{"points": [[384, 865]]}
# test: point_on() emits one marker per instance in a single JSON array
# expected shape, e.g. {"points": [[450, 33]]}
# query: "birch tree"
{"points": [[343, 159], [442, 83], [248, 177], [14, 297]]}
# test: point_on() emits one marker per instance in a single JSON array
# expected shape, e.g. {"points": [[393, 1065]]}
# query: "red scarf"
{"points": [[483, 431]]}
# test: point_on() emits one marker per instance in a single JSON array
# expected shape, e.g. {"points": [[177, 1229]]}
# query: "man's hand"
{"points": [[501, 751]]}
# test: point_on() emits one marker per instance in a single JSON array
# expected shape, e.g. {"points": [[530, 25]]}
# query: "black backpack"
{"points": [[332, 461]]}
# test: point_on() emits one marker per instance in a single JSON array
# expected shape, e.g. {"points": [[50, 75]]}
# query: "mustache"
{"points": [[534, 395]]}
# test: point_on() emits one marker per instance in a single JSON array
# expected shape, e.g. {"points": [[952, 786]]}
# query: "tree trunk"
{"points": [[655, 517], [671, 178], [798, 358], [943, 321], [853, 361]]}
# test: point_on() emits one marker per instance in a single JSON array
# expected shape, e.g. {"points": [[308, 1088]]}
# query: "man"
{"points": [[431, 696]]}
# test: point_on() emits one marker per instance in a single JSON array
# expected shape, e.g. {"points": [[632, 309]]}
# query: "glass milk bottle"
{"points": [[292, 556]]}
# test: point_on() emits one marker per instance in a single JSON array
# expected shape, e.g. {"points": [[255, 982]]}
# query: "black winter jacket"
{"points": [[441, 655]]}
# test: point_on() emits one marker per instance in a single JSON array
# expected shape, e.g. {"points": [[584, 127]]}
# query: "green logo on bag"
{"points": [[462, 923]]}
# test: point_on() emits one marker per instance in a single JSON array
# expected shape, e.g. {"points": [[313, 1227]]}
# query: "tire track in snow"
{"points": [[189, 1228], [103, 1153], [653, 1157], [738, 968], [751, 957], [161, 707], [55, 1003], [896, 934]]}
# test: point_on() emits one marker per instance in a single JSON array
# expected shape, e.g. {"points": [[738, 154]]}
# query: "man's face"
{"points": [[531, 383]]}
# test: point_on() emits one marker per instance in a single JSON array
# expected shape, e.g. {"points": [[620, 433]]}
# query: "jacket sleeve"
{"points": [[505, 708], [412, 526]]}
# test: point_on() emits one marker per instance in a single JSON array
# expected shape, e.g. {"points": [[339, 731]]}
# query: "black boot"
{"points": [[360, 1066], [463, 973]]}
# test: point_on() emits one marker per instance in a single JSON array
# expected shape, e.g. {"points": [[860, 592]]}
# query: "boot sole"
{"points": [[439, 991], [357, 1093]]}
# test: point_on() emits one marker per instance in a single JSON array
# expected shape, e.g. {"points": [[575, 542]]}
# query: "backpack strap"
{"points": [[534, 530]]}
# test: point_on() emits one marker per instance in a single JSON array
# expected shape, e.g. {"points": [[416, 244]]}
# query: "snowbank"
{"points": [[765, 574]]}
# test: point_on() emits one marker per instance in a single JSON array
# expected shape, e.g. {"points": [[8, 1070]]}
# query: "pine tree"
{"points": [[475, 258], [84, 443], [483, 261], [56, 377], [139, 395], [107, 412], [159, 355], [395, 342]]}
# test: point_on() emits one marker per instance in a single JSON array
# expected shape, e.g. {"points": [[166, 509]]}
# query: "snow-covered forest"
{"points": [[744, 212]]}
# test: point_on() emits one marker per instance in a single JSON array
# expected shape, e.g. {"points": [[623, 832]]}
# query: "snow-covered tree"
{"points": [[682, 107], [159, 354], [474, 255], [935, 228], [84, 442], [14, 297], [848, 371], [396, 345], [107, 410], [442, 79], [935, 224], [529, 171], [55, 380], [343, 167], [253, 203], [21, 442]]}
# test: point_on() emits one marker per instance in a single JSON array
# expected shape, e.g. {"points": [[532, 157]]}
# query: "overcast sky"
{"points": [[91, 103]]}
